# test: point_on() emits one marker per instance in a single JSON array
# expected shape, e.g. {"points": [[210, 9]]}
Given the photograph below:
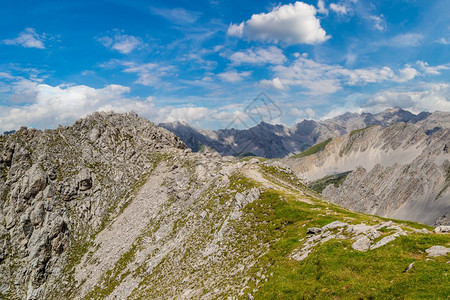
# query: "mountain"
{"points": [[276, 141], [400, 171], [115, 207]]}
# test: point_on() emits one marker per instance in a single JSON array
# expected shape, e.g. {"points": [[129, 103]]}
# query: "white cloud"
{"points": [[406, 40], [148, 74], [339, 9], [319, 78], [300, 114], [287, 24], [444, 41], [187, 114], [27, 39], [121, 42], [379, 23], [321, 7], [178, 16], [276, 83], [427, 69], [259, 56], [406, 74], [48, 106], [233, 76], [431, 97]]}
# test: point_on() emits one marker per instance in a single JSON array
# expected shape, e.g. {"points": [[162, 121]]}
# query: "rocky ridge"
{"points": [[59, 185]]}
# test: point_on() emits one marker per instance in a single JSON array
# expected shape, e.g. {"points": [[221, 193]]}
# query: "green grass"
{"points": [[247, 158], [314, 149], [244, 154], [336, 179], [357, 131], [334, 270]]}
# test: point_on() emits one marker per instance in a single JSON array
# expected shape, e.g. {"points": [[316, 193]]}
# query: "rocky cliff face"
{"points": [[400, 171], [275, 141], [59, 185]]}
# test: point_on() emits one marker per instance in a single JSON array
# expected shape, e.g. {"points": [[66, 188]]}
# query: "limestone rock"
{"points": [[442, 229], [383, 241], [362, 244], [437, 251]]}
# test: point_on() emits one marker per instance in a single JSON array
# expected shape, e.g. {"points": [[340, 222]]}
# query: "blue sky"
{"points": [[203, 61]]}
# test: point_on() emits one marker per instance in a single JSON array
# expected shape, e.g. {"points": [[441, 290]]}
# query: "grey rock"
{"points": [[410, 266], [362, 244], [437, 251], [383, 241], [442, 229], [334, 225]]}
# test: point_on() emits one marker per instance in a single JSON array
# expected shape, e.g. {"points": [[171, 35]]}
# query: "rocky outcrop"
{"points": [[56, 186], [363, 235]]}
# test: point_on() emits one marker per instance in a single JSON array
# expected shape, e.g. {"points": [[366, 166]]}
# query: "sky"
{"points": [[205, 62]]}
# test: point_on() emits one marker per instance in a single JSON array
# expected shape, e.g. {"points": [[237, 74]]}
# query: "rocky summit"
{"points": [[115, 207]]}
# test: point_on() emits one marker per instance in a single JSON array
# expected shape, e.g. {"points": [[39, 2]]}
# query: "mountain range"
{"points": [[115, 207], [276, 141]]}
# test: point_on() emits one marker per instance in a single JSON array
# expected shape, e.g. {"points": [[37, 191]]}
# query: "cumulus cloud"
{"points": [[27, 39], [406, 74], [48, 106], [121, 42], [320, 78], [258, 56], [287, 24], [339, 9], [234, 76], [431, 97], [53, 105], [275, 83]]}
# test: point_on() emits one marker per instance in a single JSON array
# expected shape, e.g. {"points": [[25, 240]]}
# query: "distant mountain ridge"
{"points": [[400, 171], [277, 141]]}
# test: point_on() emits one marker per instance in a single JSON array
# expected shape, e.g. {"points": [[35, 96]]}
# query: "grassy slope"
{"points": [[336, 179], [314, 149], [335, 270]]}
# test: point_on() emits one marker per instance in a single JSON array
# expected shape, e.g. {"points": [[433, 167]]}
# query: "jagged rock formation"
{"points": [[401, 171], [276, 141], [59, 185], [115, 207]]}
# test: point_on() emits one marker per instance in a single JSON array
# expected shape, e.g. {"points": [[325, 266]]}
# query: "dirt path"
{"points": [[255, 174]]}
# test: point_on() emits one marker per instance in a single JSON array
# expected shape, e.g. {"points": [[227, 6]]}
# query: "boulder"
{"points": [[437, 251]]}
